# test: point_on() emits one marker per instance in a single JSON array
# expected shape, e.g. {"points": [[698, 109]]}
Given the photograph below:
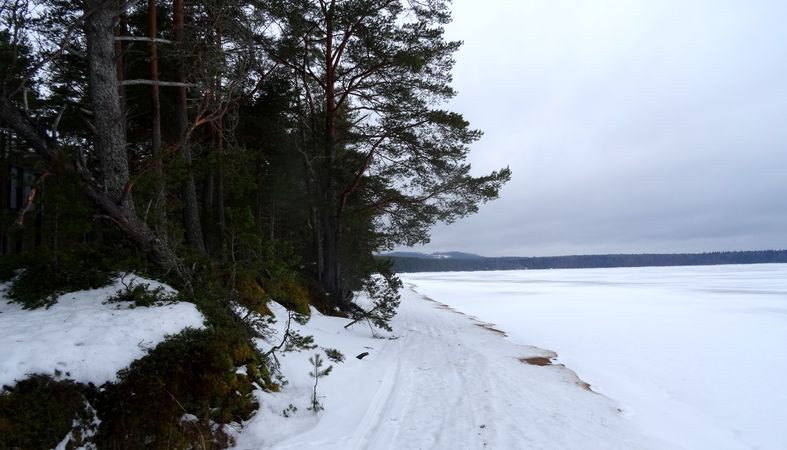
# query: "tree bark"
{"points": [[120, 67], [220, 177], [108, 118], [331, 270], [191, 218], [220, 213], [207, 209], [330, 220], [160, 198]]}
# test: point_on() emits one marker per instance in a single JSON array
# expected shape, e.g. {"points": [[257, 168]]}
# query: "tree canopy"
{"points": [[298, 136]]}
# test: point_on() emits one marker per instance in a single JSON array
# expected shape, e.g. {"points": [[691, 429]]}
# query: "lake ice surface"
{"points": [[696, 356]]}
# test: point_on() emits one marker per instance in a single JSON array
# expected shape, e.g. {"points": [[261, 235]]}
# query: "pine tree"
{"points": [[372, 76], [316, 373]]}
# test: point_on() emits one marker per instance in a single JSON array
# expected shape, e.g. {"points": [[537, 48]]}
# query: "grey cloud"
{"points": [[631, 126]]}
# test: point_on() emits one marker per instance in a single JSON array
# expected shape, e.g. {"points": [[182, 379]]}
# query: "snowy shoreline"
{"points": [[443, 380]]}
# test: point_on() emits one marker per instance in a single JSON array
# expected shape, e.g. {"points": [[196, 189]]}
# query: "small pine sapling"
{"points": [[317, 373]]}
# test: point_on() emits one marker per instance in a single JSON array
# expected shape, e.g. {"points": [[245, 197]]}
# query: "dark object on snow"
{"points": [[362, 355]]}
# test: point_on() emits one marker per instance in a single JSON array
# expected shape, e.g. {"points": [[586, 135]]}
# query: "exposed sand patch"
{"points": [[547, 361], [537, 361], [491, 327]]}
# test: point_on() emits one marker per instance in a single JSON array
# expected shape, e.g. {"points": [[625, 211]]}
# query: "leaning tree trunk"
{"points": [[111, 195], [124, 218]]}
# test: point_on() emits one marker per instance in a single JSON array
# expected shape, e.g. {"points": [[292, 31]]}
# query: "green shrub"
{"points": [[334, 354], [192, 373], [291, 294], [252, 296], [45, 276], [142, 295], [38, 412], [177, 397]]}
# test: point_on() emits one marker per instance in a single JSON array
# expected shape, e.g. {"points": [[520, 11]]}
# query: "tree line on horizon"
{"points": [[405, 264]]}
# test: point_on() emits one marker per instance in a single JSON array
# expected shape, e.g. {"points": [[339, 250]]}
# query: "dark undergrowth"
{"points": [[182, 394], [39, 278], [38, 412], [179, 396]]}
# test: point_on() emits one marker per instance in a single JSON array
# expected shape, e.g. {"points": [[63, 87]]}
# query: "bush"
{"points": [[252, 296], [192, 373], [45, 276], [291, 294], [38, 412], [142, 295], [334, 354], [179, 396]]}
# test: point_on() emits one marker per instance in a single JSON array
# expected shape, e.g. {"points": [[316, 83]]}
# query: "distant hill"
{"points": [[457, 261], [438, 255]]}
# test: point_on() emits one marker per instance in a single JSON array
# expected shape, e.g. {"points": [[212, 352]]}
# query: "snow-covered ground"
{"points": [[81, 337], [443, 381], [696, 356]]}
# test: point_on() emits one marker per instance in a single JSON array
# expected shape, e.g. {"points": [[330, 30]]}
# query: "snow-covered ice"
{"points": [[696, 356], [444, 382], [81, 337]]}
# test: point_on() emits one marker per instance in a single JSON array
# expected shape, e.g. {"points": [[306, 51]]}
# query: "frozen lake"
{"points": [[696, 356]]}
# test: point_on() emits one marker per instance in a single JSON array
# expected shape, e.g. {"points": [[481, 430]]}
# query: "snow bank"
{"points": [[82, 338]]}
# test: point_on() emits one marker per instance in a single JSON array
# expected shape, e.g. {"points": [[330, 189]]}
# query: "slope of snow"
{"points": [[81, 337], [696, 355], [443, 381]]}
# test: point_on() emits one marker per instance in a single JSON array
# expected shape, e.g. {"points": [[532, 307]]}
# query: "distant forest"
{"points": [[423, 263]]}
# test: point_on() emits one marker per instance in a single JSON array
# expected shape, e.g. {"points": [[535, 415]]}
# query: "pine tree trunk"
{"points": [[207, 210], [120, 66], [191, 219], [220, 213], [331, 223], [317, 227], [331, 270], [108, 118], [160, 198]]}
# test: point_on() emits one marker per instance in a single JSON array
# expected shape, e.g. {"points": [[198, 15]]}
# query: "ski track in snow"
{"points": [[445, 383]]}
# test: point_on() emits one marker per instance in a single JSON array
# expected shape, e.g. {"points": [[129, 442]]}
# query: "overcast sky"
{"points": [[630, 126]]}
